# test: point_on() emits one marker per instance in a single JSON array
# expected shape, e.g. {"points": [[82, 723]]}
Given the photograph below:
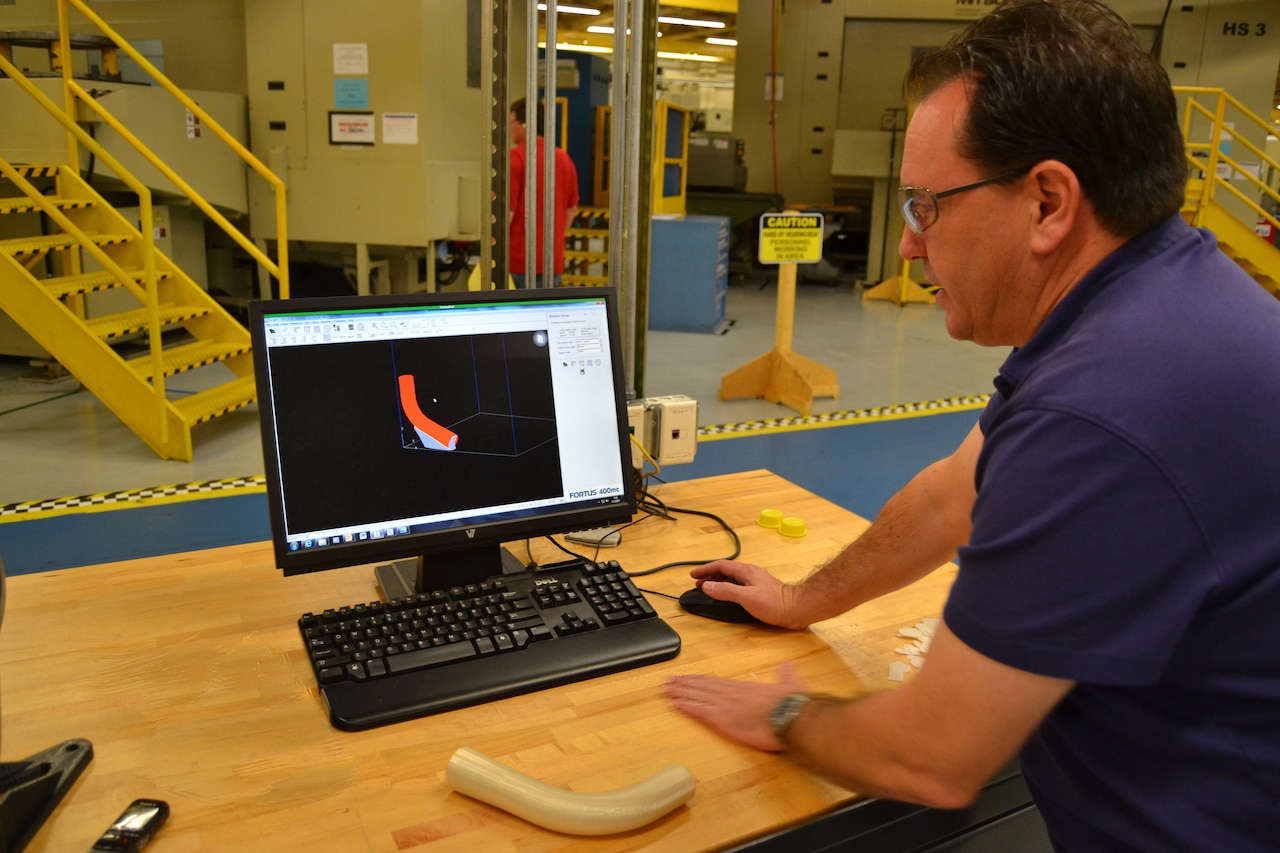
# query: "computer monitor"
{"points": [[425, 430]]}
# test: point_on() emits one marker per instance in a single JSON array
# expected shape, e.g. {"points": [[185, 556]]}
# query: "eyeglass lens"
{"points": [[918, 208]]}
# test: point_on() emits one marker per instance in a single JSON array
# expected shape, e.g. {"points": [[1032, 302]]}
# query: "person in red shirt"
{"points": [[566, 201]]}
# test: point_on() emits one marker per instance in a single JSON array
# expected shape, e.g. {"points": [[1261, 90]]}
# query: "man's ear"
{"points": [[1058, 200]]}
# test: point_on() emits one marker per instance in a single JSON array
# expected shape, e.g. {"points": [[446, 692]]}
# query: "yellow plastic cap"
{"points": [[792, 526], [770, 518]]}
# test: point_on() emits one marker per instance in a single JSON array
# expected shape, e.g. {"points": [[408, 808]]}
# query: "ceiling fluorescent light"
{"points": [[725, 42], [580, 48], [608, 31], [570, 10], [691, 57], [689, 22]]}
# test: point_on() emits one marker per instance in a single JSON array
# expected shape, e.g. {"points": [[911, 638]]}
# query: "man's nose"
{"points": [[911, 246]]}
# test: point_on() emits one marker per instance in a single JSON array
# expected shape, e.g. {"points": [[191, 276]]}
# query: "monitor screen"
{"points": [[430, 428]]}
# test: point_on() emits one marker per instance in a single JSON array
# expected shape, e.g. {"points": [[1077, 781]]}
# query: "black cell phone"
{"points": [[135, 827]]}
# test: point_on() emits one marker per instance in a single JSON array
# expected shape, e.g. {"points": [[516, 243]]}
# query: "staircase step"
{"points": [[22, 203], [209, 404], [28, 170], [35, 245], [188, 356], [90, 281], [115, 325]]}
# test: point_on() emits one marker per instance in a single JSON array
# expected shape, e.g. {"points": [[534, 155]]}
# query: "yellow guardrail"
{"points": [[147, 292], [1212, 154], [280, 267]]}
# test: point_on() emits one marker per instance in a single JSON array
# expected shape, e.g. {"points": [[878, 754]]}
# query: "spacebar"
{"points": [[433, 656]]}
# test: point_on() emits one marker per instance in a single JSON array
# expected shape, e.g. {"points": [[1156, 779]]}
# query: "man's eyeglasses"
{"points": [[920, 204]]}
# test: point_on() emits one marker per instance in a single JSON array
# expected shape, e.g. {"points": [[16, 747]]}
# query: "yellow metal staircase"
{"points": [[49, 307], [1240, 242], [1210, 116], [586, 255], [84, 245]]}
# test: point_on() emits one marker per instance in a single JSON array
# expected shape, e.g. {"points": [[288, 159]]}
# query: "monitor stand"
{"points": [[31, 789], [404, 578]]}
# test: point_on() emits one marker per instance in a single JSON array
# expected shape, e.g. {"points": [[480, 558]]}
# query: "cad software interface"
{"points": [[398, 420]]}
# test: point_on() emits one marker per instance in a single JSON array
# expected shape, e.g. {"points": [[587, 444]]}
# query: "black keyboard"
{"points": [[382, 663]]}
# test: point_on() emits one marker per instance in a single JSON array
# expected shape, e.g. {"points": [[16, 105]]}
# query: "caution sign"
{"points": [[790, 238]]}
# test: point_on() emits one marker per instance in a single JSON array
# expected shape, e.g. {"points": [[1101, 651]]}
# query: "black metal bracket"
{"points": [[31, 789]]}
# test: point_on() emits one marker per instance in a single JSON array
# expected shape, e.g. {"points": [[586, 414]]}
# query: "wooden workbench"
{"points": [[187, 674]]}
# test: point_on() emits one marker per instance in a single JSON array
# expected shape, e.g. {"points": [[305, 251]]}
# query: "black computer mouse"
{"points": [[699, 603]]}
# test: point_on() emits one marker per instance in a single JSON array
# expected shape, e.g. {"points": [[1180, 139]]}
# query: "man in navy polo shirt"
{"points": [[1116, 618]]}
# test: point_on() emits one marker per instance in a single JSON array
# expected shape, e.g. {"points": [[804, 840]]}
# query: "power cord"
{"points": [[650, 504], [653, 507]]}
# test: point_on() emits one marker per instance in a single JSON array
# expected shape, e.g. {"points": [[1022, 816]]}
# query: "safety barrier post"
{"points": [[781, 375]]}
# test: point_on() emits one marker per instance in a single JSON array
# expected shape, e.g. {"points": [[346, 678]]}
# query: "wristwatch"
{"points": [[785, 714]]}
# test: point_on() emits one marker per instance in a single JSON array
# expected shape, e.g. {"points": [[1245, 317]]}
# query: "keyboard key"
{"points": [[331, 674], [433, 656]]}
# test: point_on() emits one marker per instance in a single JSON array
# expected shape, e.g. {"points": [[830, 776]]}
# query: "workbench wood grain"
{"points": [[187, 674]]}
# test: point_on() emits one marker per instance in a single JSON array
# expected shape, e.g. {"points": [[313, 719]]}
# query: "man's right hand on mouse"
{"points": [[764, 596]]}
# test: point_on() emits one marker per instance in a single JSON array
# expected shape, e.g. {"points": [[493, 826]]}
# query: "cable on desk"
{"points": [[655, 508], [655, 592], [652, 505]]}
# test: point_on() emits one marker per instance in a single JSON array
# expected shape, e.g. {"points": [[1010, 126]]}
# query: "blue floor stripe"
{"points": [[84, 539], [857, 466]]}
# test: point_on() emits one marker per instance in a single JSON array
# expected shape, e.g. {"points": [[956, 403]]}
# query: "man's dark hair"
{"points": [[1066, 80], [520, 110]]}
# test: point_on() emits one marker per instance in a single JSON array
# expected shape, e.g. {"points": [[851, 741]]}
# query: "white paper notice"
{"points": [[351, 58], [400, 128]]}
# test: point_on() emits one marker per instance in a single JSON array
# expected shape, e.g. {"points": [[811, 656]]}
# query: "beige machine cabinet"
{"points": [[373, 119], [29, 135]]}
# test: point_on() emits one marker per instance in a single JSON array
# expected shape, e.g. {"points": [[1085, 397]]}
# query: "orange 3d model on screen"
{"points": [[433, 435]]}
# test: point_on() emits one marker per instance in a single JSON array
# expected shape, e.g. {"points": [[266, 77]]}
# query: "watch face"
{"points": [[785, 713]]}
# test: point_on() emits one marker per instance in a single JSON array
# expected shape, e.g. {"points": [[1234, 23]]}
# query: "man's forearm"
{"points": [[937, 739], [918, 530], [859, 744]]}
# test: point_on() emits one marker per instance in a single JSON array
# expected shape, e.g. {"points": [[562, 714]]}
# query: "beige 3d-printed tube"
{"points": [[480, 777]]}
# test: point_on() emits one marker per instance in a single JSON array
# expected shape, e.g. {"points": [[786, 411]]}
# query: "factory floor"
{"points": [[908, 393]]}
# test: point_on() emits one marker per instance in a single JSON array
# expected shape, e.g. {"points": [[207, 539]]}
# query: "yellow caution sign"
{"points": [[790, 238]]}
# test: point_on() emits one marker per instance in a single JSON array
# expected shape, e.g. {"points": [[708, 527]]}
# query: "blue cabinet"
{"points": [[688, 273]]}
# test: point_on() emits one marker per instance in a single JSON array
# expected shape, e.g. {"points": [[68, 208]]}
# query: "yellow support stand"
{"points": [[900, 289], [782, 376]]}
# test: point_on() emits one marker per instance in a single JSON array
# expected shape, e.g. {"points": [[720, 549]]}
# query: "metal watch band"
{"points": [[786, 712]]}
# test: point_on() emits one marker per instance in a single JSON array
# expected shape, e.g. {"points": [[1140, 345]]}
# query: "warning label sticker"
{"points": [[790, 238]]}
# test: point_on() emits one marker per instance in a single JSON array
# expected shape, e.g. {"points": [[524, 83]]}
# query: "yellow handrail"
{"points": [[148, 292], [164, 169], [1213, 147], [281, 267]]}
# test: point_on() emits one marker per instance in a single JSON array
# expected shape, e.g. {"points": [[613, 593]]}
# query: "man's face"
{"points": [[517, 130], [976, 249]]}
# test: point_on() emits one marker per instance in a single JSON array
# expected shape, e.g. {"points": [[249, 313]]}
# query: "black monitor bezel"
{"points": [[451, 540]]}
